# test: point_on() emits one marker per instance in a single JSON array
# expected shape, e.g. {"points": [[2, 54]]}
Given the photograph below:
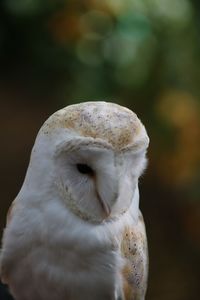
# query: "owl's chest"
{"points": [[79, 269]]}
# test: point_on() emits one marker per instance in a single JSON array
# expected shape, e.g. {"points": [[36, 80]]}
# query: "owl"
{"points": [[75, 230]]}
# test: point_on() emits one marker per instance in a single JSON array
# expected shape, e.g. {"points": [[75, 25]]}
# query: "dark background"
{"points": [[143, 54]]}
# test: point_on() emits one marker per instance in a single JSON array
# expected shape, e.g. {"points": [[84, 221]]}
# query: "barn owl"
{"points": [[75, 231]]}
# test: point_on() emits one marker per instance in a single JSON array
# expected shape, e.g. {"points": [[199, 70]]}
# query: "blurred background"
{"points": [[143, 54]]}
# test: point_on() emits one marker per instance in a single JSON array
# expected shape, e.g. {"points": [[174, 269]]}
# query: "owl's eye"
{"points": [[84, 169]]}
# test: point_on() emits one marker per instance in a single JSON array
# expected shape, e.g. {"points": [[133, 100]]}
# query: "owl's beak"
{"points": [[105, 207]]}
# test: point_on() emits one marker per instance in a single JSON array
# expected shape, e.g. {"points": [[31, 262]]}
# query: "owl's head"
{"points": [[90, 156]]}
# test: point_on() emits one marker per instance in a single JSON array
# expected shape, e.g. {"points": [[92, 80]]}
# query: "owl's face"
{"points": [[98, 183], [92, 159]]}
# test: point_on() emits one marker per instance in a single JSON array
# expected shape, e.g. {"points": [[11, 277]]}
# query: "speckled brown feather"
{"points": [[135, 271], [110, 122], [10, 212]]}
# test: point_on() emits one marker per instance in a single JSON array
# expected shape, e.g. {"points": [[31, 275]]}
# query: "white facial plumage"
{"points": [[78, 207]]}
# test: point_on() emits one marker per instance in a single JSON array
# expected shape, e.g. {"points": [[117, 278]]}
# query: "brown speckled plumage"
{"points": [[110, 122], [134, 249]]}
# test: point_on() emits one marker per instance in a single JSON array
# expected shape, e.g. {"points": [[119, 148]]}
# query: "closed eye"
{"points": [[84, 169]]}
